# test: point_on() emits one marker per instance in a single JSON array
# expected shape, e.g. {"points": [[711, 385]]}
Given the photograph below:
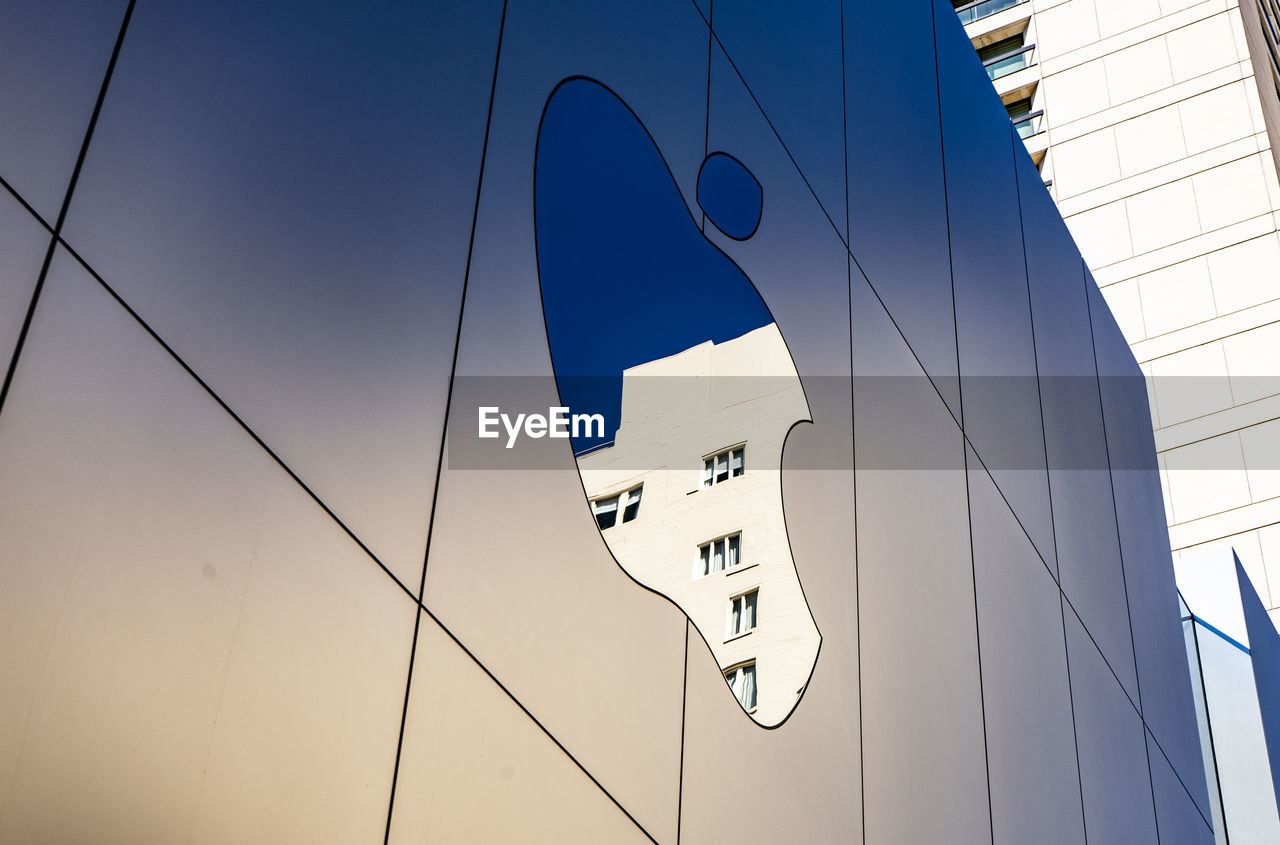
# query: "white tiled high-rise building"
{"points": [[1153, 121]]}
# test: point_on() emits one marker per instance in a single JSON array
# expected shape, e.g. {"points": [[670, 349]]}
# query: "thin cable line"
{"points": [[62, 212]]}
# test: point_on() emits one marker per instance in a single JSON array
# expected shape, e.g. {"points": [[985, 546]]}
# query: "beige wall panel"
{"points": [[1201, 47], [1138, 70], [1261, 444], [1217, 117], [1207, 477], [1163, 216], [1085, 163], [193, 650], [1126, 306], [475, 768], [1232, 192], [1176, 296], [1253, 362], [1102, 234], [1243, 273], [1149, 141], [1077, 92]]}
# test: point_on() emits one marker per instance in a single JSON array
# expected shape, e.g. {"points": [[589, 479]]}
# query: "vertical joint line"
{"points": [[1044, 441], [684, 701], [973, 569], [56, 235], [706, 126], [1208, 723], [853, 425], [444, 429], [1115, 512], [946, 210]]}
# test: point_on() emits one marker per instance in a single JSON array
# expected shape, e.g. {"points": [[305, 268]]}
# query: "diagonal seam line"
{"points": [[419, 605], [4, 183], [911, 349], [1049, 571], [336, 519], [1115, 512], [427, 611], [57, 240], [861, 271], [1146, 727], [444, 428], [1053, 526], [238, 419], [1181, 782], [968, 497], [778, 136], [1067, 600], [799, 172], [62, 212]]}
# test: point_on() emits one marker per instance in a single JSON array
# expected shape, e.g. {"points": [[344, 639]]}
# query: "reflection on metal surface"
{"points": [[652, 325], [709, 532]]}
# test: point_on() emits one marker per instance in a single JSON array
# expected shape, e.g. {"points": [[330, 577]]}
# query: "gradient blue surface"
{"points": [[299, 223], [626, 275]]}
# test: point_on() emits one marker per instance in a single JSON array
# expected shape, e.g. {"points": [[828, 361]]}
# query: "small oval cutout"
{"points": [[731, 197]]}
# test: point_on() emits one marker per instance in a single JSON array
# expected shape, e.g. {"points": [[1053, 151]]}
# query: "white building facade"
{"points": [[696, 472], [1153, 123]]}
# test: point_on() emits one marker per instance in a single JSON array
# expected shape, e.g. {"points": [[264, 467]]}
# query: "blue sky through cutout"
{"points": [[626, 275]]}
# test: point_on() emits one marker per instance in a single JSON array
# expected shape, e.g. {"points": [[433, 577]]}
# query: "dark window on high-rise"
{"points": [[999, 48]]}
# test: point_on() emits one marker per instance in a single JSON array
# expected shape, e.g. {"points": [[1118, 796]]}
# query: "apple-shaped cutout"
{"points": [[651, 325]]}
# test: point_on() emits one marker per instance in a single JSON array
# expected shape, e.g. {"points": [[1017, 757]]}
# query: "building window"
{"points": [[742, 612], [1006, 56], [719, 555], [1025, 121], [999, 48], [606, 510], [723, 466], [976, 11], [633, 504], [742, 680]]}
